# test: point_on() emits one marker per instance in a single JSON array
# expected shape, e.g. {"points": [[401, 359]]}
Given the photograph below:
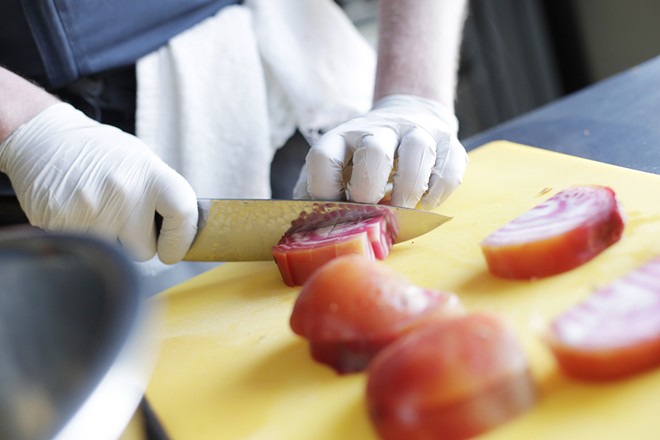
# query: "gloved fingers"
{"points": [[372, 164], [450, 165], [415, 159], [138, 235], [300, 188], [178, 208], [325, 162], [172, 197]]}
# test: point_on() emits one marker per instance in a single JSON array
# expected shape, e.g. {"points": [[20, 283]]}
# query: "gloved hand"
{"points": [[419, 133], [71, 173]]}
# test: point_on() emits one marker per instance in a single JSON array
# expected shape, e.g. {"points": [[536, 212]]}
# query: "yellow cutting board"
{"points": [[229, 367]]}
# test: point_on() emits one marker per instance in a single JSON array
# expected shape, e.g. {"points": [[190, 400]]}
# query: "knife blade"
{"points": [[247, 229]]}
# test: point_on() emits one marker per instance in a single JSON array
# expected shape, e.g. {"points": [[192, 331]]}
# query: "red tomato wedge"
{"points": [[565, 231], [450, 379], [299, 254], [352, 307], [613, 333]]}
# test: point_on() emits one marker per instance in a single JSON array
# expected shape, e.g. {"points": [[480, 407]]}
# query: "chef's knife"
{"points": [[247, 229]]}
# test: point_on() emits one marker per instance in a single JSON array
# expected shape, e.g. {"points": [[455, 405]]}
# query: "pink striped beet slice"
{"points": [[558, 235], [613, 333]]}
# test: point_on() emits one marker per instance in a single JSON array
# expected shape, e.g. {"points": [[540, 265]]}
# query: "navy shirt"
{"points": [[55, 42]]}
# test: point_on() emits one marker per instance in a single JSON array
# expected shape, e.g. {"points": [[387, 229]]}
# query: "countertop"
{"points": [[616, 121]]}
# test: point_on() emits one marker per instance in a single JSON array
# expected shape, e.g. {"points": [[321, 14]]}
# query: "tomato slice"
{"points": [[449, 379], [299, 254], [565, 231], [352, 307], [613, 333]]}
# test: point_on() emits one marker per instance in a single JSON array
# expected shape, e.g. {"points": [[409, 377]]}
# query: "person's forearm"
{"points": [[418, 48], [20, 101]]}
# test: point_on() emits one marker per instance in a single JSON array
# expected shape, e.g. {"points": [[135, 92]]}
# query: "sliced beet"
{"points": [[300, 253], [613, 333], [563, 232]]}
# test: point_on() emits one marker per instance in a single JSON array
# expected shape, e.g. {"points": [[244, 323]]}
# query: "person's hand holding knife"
{"points": [[71, 173]]}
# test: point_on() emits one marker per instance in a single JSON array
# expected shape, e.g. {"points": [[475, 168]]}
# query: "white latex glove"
{"points": [[71, 173], [418, 132]]}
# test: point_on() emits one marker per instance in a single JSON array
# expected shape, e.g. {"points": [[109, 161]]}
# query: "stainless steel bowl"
{"points": [[74, 361]]}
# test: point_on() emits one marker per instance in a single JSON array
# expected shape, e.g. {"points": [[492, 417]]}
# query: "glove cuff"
{"points": [[58, 114]]}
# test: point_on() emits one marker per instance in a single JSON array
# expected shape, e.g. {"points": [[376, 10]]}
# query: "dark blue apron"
{"points": [[55, 42]]}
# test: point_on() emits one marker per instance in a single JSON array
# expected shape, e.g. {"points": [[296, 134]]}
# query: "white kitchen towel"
{"points": [[201, 107], [219, 99], [314, 53]]}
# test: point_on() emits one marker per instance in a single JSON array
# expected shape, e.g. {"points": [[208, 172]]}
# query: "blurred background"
{"points": [[520, 54]]}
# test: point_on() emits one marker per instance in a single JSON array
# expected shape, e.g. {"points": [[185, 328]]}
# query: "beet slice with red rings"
{"points": [[317, 238], [565, 231], [613, 333]]}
